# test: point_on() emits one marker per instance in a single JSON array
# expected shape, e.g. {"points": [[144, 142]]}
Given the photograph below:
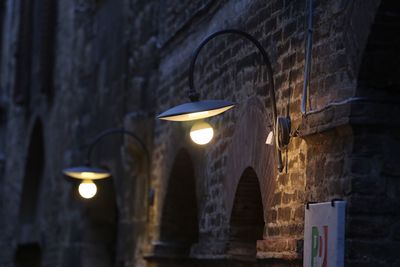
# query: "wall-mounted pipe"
{"points": [[308, 54]]}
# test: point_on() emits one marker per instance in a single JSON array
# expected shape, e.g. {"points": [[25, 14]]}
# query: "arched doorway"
{"points": [[247, 218], [28, 253], [32, 176], [179, 219]]}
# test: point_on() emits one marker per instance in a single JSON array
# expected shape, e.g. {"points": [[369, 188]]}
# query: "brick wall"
{"points": [[119, 63], [318, 161]]}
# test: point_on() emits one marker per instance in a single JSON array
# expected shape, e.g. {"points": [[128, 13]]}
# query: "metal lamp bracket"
{"points": [[281, 124], [282, 132]]}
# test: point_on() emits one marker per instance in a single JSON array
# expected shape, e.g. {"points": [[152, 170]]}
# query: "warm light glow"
{"points": [[197, 115], [87, 189], [87, 174], [201, 133]]}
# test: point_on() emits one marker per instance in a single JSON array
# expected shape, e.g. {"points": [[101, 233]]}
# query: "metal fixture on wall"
{"points": [[200, 109], [87, 173]]}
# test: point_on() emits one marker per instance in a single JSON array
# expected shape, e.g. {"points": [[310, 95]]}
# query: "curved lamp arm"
{"points": [[111, 131], [194, 95]]}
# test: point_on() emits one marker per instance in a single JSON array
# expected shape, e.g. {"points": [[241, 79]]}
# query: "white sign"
{"points": [[324, 234]]}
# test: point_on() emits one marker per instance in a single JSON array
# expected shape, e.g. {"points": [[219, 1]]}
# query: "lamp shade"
{"points": [[196, 110], [86, 173]]}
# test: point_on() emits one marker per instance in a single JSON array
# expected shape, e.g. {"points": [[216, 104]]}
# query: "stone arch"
{"points": [[247, 217], [33, 172], [179, 219], [248, 148], [28, 255]]}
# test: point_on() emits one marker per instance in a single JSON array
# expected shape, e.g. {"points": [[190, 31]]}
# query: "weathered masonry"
{"points": [[70, 69]]}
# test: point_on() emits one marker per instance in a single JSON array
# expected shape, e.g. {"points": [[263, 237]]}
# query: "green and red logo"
{"points": [[319, 248]]}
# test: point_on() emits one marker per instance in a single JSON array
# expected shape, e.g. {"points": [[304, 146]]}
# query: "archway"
{"points": [[247, 218], [179, 221], [33, 175]]}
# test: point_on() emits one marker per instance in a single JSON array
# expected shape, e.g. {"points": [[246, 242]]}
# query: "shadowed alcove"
{"points": [[32, 176], [247, 218], [376, 127], [379, 71], [179, 221]]}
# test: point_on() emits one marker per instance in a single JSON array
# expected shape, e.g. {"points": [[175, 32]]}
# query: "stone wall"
{"points": [[90, 85], [231, 68], [120, 63], [319, 160], [374, 215]]}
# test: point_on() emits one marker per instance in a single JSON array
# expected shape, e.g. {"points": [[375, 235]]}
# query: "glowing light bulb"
{"points": [[87, 189], [201, 133]]}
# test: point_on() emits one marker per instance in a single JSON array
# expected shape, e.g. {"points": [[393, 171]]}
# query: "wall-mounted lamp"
{"points": [[87, 188], [197, 109]]}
